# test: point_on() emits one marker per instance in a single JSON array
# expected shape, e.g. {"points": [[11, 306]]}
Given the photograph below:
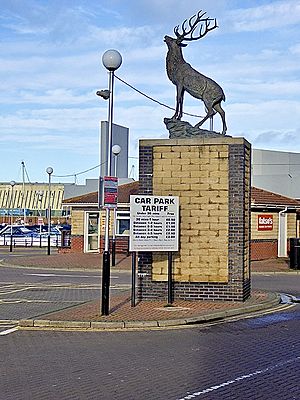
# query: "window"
{"points": [[123, 223]]}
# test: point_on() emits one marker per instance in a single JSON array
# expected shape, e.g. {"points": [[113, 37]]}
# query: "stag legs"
{"points": [[211, 111], [179, 103], [220, 110]]}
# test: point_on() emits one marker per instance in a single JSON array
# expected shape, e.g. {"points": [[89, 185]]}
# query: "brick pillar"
{"points": [[211, 176]]}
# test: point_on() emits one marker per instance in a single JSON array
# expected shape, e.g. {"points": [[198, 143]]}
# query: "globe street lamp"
{"points": [[116, 149], [12, 184], [111, 60], [49, 171]]}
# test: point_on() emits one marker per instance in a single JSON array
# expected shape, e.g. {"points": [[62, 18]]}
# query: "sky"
{"points": [[51, 67]]}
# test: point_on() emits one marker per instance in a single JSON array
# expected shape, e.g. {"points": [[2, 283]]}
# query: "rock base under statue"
{"points": [[183, 129]]}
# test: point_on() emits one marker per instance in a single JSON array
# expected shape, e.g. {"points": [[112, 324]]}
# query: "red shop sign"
{"points": [[265, 222]]}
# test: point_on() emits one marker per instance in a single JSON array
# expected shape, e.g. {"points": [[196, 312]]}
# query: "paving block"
{"points": [[215, 315], [70, 324], [141, 324], [171, 322], [108, 325]]}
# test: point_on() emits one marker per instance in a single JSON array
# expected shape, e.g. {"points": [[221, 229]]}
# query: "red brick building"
{"points": [[274, 220], [88, 221]]}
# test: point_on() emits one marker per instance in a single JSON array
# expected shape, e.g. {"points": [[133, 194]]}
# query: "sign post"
{"points": [[108, 198], [133, 275]]}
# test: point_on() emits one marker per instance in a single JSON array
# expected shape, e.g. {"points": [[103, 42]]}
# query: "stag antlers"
{"points": [[193, 22]]}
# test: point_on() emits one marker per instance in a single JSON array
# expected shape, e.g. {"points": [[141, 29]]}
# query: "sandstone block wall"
{"points": [[212, 179]]}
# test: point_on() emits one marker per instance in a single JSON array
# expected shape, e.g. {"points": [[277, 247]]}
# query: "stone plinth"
{"points": [[211, 176]]}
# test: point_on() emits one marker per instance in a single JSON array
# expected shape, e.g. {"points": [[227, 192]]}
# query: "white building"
{"points": [[276, 171]]}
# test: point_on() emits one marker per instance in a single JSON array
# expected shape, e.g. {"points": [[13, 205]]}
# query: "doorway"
{"points": [[282, 235], [92, 232]]}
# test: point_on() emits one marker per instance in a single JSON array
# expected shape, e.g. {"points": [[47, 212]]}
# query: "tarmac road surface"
{"points": [[253, 358], [245, 358]]}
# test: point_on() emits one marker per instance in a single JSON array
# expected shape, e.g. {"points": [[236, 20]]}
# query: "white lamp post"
{"points": [[111, 60], [49, 171], [12, 184], [116, 150]]}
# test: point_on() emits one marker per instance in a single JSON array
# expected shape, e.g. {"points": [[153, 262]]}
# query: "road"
{"points": [[27, 293], [282, 283], [250, 358]]}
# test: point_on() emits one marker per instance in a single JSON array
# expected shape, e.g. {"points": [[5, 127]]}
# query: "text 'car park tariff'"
{"points": [[154, 223]]}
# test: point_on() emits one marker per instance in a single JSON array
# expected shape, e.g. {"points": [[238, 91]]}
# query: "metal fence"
{"points": [[30, 241]]}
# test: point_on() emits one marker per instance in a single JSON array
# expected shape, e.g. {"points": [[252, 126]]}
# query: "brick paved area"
{"points": [[121, 310]]}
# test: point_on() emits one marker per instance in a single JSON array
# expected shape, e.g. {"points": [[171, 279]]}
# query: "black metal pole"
{"points": [[12, 183], [48, 251], [49, 171], [11, 243], [133, 277], [105, 283], [170, 294], [113, 252]]}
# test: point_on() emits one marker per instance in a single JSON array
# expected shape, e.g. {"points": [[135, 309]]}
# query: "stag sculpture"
{"points": [[185, 77]]}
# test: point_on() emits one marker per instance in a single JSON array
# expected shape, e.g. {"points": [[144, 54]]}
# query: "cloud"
{"points": [[170, 12], [278, 140], [267, 90], [295, 49], [276, 14], [125, 37], [57, 119], [50, 97]]}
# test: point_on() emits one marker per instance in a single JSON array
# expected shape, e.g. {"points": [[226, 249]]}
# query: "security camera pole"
{"points": [[111, 60]]}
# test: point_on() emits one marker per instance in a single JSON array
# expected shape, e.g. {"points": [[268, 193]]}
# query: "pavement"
{"points": [[145, 314]]}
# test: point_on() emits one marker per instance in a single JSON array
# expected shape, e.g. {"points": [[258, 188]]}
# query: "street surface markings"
{"points": [[8, 331], [8, 288], [173, 308], [17, 288], [18, 301], [67, 275], [239, 378]]}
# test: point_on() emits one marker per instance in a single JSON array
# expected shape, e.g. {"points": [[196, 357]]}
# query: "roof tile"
{"points": [[124, 193], [258, 196], [261, 196]]}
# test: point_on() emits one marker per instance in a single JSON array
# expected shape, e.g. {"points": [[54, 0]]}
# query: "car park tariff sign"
{"points": [[154, 223]]}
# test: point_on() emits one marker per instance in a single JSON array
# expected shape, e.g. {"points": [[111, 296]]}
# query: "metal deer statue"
{"points": [[185, 77]]}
